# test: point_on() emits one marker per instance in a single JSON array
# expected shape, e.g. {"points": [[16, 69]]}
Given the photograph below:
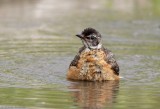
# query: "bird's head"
{"points": [[91, 38]]}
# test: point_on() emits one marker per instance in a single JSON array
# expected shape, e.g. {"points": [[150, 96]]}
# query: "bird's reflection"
{"points": [[94, 95]]}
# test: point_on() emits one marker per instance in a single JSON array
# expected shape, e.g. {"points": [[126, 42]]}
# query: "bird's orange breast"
{"points": [[92, 67]]}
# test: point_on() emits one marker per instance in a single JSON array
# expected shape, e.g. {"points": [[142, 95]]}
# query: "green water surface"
{"points": [[37, 44]]}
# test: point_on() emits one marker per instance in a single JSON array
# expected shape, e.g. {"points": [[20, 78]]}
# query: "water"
{"points": [[37, 44]]}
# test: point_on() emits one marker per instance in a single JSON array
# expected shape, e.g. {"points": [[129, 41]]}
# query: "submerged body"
{"points": [[93, 64]]}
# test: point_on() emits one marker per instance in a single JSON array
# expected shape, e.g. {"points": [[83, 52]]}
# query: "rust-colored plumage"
{"points": [[93, 63]]}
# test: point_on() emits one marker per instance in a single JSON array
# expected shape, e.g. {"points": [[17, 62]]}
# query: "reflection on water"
{"points": [[81, 95], [94, 95], [37, 44]]}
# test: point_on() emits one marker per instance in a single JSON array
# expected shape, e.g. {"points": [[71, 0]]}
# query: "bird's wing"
{"points": [[110, 59], [77, 57]]}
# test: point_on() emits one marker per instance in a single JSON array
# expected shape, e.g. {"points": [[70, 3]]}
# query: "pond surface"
{"points": [[37, 44]]}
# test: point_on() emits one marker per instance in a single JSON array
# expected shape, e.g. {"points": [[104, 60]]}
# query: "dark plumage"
{"points": [[89, 31], [93, 62]]}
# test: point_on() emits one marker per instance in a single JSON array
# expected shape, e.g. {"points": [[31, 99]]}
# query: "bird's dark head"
{"points": [[91, 38]]}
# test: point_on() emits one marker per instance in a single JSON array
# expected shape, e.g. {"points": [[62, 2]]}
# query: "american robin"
{"points": [[93, 62]]}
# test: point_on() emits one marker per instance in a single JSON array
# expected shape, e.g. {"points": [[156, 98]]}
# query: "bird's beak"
{"points": [[79, 35]]}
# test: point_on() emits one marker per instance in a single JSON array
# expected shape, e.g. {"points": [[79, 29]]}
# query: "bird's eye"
{"points": [[92, 37]]}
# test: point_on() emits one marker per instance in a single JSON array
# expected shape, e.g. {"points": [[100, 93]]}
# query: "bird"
{"points": [[93, 62]]}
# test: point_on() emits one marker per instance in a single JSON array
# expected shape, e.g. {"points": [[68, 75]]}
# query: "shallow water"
{"points": [[37, 44]]}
